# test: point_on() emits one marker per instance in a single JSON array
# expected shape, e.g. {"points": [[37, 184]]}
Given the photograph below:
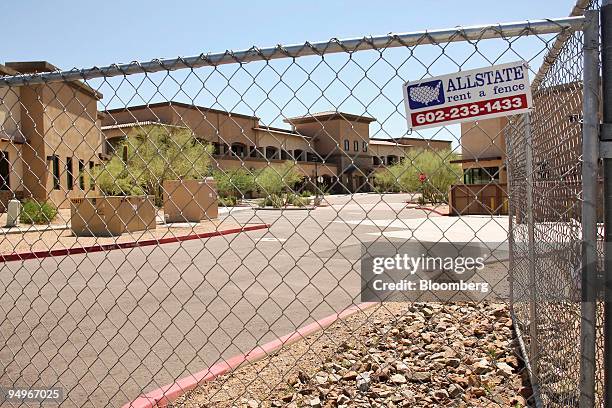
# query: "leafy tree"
{"points": [[154, 154], [234, 182], [275, 180], [429, 172]]}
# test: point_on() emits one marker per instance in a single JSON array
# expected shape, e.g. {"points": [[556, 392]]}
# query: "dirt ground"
{"points": [[391, 355]]}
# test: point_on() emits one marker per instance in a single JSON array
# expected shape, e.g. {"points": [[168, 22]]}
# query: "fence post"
{"points": [[590, 158], [533, 311], [606, 137]]}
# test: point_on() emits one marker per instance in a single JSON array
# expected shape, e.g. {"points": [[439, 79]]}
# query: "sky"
{"points": [[84, 34]]}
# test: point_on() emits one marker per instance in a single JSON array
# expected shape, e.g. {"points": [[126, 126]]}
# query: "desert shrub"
{"points": [[283, 200], [234, 183], [276, 180], [228, 201], [34, 212], [435, 165], [154, 154], [296, 200]]}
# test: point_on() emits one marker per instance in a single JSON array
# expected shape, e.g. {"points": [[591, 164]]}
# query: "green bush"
{"points": [[229, 201], [276, 180], [296, 200], [34, 212], [283, 200], [234, 183]]}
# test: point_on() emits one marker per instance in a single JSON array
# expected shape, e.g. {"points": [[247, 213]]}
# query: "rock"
{"points": [[505, 369], [343, 399], [440, 394], [321, 379], [454, 390], [452, 362], [253, 404], [481, 367], [363, 382], [315, 402], [303, 377], [419, 376], [398, 379]]}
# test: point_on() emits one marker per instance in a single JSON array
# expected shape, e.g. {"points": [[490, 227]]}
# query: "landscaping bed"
{"points": [[391, 355]]}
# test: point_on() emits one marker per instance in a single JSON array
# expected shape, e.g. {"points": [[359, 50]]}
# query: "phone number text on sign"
{"points": [[470, 110], [482, 93]]}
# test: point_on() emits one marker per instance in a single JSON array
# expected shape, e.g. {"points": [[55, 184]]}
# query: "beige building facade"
{"points": [[51, 137], [333, 148]]}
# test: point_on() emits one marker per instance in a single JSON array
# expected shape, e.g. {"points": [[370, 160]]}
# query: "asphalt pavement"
{"points": [[108, 326]]}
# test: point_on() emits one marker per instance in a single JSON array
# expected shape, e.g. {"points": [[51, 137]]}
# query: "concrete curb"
{"points": [[433, 210], [163, 396], [124, 245]]}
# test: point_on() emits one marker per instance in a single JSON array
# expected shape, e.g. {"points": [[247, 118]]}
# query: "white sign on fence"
{"points": [[482, 93]]}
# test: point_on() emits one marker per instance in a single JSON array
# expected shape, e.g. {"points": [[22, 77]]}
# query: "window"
{"points": [[364, 146], [346, 145], [81, 175], [92, 183], [481, 175], [356, 146], [55, 171], [4, 171], [69, 174]]}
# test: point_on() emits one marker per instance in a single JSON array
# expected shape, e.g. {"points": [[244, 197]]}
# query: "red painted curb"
{"points": [[162, 396], [124, 245]]}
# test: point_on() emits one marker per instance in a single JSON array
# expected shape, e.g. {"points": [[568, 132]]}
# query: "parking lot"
{"points": [[114, 324]]}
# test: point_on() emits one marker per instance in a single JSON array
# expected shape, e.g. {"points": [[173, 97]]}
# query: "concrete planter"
{"points": [[190, 200], [111, 215]]}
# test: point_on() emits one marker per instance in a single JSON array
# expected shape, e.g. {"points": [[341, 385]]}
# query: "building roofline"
{"points": [[31, 67], [389, 142], [285, 132], [179, 104], [37, 67], [330, 115], [4, 70]]}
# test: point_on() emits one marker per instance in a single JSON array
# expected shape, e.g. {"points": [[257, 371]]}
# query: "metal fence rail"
{"points": [[170, 215]]}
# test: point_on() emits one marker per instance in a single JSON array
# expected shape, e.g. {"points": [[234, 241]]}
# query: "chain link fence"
{"points": [[551, 259], [171, 224]]}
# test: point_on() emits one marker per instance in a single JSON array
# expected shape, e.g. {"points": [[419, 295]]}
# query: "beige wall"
{"points": [[329, 135], [484, 138], [10, 110], [419, 143], [284, 141], [58, 120], [388, 150]]}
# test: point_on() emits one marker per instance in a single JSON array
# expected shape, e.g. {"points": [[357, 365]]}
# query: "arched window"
{"points": [[347, 146]]}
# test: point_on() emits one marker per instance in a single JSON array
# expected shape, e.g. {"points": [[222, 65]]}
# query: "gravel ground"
{"points": [[391, 355]]}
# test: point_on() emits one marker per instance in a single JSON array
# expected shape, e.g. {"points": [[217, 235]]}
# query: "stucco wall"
{"points": [[484, 138], [58, 120]]}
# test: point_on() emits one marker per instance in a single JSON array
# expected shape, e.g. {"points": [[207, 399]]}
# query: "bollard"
{"points": [[12, 213]]}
